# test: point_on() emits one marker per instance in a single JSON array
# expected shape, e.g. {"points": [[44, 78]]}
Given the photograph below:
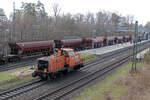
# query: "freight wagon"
{"points": [[99, 42], [94, 42], [21, 50], [87, 43], [69, 43], [26, 49]]}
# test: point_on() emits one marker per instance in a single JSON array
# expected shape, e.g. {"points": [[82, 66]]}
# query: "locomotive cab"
{"points": [[42, 65]]}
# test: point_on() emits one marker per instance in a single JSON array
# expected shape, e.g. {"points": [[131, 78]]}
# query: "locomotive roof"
{"points": [[44, 58], [47, 58], [67, 49]]}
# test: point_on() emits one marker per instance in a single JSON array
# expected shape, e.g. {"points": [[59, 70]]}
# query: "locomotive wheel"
{"points": [[64, 72], [49, 77], [44, 76], [52, 76]]}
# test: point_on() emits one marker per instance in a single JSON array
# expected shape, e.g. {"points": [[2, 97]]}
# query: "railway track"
{"points": [[36, 84], [72, 86], [14, 66], [21, 89]]}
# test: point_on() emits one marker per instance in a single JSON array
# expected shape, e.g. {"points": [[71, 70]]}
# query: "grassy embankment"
{"points": [[14, 77], [122, 85]]}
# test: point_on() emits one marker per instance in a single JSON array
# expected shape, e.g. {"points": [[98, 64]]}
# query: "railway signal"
{"points": [[135, 40]]}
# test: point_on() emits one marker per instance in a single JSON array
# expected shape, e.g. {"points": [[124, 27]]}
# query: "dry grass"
{"points": [[111, 88], [138, 84], [14, 77]]}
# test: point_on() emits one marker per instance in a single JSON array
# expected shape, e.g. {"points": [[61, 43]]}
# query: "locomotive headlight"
{"points": [[35, 68], [45, 70]]}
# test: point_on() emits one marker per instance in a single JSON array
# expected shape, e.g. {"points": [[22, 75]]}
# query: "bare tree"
{"points": [[33, 23], [56, 10]]}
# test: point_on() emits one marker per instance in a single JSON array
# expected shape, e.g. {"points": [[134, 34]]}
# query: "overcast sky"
{"points": [[139, 8]]}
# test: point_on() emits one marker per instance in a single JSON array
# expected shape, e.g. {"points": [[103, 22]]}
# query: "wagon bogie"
{"points": [[12, 58]]}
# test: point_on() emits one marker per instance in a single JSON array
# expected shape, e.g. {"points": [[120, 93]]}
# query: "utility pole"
{"points": [[135, 40]]}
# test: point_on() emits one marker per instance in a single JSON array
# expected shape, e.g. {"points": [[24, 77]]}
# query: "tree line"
{"points": [[32, 23]]}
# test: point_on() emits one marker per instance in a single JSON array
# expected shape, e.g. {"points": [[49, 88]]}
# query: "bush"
{"points": [[86, 56]]}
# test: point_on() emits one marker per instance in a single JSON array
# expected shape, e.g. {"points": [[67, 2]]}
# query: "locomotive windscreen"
{"points": [[42, 64]]}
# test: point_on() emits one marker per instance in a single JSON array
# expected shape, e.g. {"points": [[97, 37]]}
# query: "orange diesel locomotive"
{"points": [[63, 61]]}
